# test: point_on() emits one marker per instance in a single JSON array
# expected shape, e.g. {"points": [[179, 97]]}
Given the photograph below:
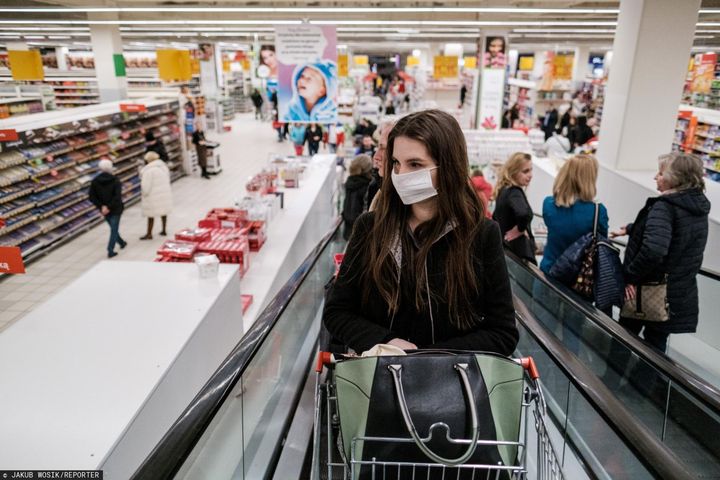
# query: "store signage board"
{"points": [[26, 65], [492, 85], [307, 73], [132, 107], [8, 135], [11, 260]]}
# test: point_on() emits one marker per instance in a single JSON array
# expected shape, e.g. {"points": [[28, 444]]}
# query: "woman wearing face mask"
{"points": [[425, 269], [512, 210]]}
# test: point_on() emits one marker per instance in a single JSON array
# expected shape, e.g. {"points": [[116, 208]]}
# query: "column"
{"points": [[60, 53], [580, 64], [106, 44], [650, 57]]}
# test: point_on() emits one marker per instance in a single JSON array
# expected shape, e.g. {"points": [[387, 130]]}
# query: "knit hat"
{"points": [[151, 156], [105, 165]]}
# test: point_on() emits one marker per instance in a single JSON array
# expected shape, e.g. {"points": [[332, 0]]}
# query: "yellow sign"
{"points": [[246, 64], [174, 65], [226, 65], [526, 63], [361, 60], [412, 61], [26, 65], [342, 65], [445, 66], [563, 66], [471, 63], [194, 66]]}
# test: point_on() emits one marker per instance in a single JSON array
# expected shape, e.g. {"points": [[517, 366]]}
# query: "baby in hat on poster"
{"points": [[314, 90]]}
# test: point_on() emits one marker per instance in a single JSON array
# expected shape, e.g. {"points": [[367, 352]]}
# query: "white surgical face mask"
{"points": [[414, 187]]}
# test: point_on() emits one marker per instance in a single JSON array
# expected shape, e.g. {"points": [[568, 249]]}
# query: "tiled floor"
{"points": [[243, 152]]}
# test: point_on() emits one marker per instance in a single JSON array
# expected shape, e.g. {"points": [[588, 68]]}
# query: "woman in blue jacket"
{"points": [[570, 212]]}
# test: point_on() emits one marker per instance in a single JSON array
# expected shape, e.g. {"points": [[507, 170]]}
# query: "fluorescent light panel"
{"points": [[314, 22], [600, 11]]}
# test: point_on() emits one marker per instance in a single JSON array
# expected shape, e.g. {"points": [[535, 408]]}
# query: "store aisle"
{"points": [[243, 152]]}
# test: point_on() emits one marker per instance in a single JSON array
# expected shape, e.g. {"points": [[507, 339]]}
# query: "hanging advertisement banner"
{"points": [[307, 73], [492, 83], [703, 72], [343, 65], [174, 65], [26, 65], [548, 75], [445, 66]]}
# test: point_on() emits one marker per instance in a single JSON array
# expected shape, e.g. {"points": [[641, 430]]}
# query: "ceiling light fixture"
{"points": [[531, 11]]}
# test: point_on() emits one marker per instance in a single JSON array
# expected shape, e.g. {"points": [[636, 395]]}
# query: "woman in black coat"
{"points": [[581, 133], [426, 268], [356, 187], [512, 210], [313, 137], [668, 240]]}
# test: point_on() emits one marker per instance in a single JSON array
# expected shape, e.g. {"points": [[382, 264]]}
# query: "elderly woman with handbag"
{"points": [[665, 253]]}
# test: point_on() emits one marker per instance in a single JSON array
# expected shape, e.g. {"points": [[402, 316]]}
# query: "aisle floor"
{"points": [[243, 152]]}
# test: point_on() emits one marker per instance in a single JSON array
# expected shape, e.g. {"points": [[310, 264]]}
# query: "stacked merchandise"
{"points": [[487, 147], [75, 92], [44, 175], [14, 107], [521, 93], [228, 108], [237, 88], [698, 131]]}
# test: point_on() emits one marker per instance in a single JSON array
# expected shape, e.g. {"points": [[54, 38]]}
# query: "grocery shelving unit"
{"points": [[44, 175], [237, 88], [698, 131]]}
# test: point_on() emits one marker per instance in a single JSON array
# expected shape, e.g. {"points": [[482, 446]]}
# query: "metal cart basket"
{"points": [[330, 462]]}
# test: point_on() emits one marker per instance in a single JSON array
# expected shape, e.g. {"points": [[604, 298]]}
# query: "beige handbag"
{"points": [[650, 303]]}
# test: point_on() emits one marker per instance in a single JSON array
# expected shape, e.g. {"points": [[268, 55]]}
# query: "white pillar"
{"points": [[106, 43], [651, 52], [581, 64]]}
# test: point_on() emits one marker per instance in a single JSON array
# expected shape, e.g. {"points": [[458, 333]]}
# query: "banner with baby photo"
{"points": [[307, 73]]}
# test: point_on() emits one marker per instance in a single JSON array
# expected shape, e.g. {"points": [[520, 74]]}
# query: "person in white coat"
{"points": [[156, 192]]}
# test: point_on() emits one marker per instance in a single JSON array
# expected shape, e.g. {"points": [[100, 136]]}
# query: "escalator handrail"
{"points": [[679, 374], [705, 272], [177, 444], [657, 457]]}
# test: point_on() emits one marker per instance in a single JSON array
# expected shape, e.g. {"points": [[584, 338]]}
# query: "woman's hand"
{"points": [[513, 233], [404, 344], [620, 232], [630, 292]]}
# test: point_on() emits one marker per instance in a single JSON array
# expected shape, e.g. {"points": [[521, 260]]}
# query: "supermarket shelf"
{"points": [[75, 102], [18, 210], [20, 100], [62, 207], [77, 94], [74, 87], [15, 226]]}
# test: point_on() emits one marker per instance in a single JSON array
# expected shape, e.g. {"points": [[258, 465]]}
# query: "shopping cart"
{"points": [[330, 462]]}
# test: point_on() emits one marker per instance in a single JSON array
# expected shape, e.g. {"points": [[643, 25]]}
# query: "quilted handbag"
{"points": [[609, 282], [650, 303], [430, 397], [575, 267]]}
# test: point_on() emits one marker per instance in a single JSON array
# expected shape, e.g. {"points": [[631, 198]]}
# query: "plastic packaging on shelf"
{"points": [[178, 249], [195, 235]]}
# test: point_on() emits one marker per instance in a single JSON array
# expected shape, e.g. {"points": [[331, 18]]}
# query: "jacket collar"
{"points": [[396, 244]]}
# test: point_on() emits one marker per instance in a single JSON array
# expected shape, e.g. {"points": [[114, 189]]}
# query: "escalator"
{"points": [[253, 418]]}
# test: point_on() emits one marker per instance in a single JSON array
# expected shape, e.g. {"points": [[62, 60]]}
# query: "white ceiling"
{"points": [[373, 27]]}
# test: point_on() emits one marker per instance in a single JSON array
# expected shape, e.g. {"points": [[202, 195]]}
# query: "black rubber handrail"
{"points": [[177, 444], [705, 272], [708, 394], [660, 460]]}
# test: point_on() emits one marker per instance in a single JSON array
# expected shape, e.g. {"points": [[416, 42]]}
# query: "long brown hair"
{"points": [[457, 204]]}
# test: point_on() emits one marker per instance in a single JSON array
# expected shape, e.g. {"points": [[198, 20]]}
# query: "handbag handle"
{"points": [[461, 368], [595, 219]]}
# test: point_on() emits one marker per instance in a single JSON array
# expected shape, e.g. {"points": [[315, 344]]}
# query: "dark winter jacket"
{"points": [[362, 324], [355, 192], [669, 237], [257, 99], [511, 209], [105, 189], [313, 137], [373, 188], [580, 135]]}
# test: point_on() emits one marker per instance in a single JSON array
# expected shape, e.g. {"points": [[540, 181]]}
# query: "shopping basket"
{"points": [[331, 460]]}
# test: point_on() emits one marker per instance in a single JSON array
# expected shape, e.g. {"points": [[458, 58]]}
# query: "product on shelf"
{"points": [[697, 131], [178, 249]]}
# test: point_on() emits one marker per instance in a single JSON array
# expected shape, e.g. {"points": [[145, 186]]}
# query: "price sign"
{"points": [[132, 107], [8, 135], [11, 260]]}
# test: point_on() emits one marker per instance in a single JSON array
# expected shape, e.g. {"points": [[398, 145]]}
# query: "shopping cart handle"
{"points": [[324, 358], [529, 365]]}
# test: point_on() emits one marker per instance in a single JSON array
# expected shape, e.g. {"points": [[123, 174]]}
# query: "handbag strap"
{"points": [[595, 219]]}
